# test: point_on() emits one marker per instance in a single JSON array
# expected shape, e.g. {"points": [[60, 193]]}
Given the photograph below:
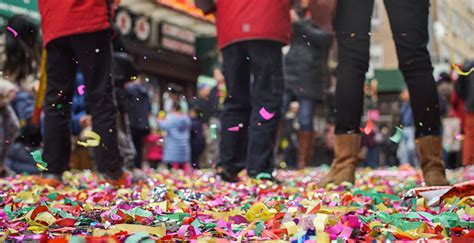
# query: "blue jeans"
{"points": [[305, 112], [407, 149]]}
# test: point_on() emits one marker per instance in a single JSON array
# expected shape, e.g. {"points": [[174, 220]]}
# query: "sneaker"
{"points": [[226, 176], [52, 180], [117, 179]]}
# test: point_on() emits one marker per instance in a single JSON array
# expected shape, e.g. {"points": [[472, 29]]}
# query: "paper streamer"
{"points": [[81, 89], [397, 137], [13, 31], [38, 158], [265, 114], [92, 139], [41, 91]]}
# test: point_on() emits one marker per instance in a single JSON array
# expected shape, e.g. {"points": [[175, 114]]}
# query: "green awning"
{"points": [[389, 80], [9, 8]]}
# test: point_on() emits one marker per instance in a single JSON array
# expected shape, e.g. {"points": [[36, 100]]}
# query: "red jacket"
{"points": [[61, 18], [239, 20]]}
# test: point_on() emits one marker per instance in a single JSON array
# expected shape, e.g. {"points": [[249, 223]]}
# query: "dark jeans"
{"points": [[305, 110], [409, 24], [138, 137], [254, 79], [92, 53]]}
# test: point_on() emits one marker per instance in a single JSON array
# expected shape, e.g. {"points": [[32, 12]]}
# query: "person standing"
{"points": [[304, 70], [406, 148], [177, 142], [78, 34], [409, 24], [465, 90], [250, 34], [140, 109]]}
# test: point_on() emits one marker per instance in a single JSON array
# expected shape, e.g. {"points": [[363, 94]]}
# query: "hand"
{"points": [[85, 121], [323, 12], [294, 16]]}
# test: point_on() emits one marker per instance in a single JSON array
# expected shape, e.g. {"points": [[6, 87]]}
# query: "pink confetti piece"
{"points": [[235, 128], [81, 89], [13, 31], [346, 232], [265, 114]]}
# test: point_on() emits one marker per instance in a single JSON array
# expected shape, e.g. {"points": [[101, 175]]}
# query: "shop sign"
{"points": [[142, 28], [178, 46], [123, 20], [178, 33]]}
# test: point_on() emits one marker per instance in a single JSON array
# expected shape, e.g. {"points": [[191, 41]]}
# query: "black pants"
{"points": [[254, 79], [92, 53], [138, 136], [409, 24]]}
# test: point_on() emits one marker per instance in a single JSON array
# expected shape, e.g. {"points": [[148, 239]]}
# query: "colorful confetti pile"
{"points": [[174, 206]]}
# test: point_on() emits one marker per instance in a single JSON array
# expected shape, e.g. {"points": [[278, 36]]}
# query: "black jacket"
{"points": [[305, 64], [465, 86]]}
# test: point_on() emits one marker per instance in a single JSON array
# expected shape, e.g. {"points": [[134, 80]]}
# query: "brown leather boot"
{"points": [[432, 165], [346, 148], [305, 142]]}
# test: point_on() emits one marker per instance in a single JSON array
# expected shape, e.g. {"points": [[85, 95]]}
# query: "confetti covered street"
{"points": [[199, 207]]}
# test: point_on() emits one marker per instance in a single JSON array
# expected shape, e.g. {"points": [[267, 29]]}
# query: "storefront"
{"points": [[164, 37]]}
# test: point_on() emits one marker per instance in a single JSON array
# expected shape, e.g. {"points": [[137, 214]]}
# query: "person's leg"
{"points": [[236, 110], [266, 93], [352, 25], [409, 24], [468, 146], [94, 55], [61, 70], [306, 133]]}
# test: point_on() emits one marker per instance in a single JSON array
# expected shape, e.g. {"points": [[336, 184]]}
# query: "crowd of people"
{"points": [[259, 112]]}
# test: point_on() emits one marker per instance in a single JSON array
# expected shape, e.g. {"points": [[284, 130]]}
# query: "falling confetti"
{"points": [[38, 158], [458, 70], [81, 89], [92, 139], [265, 114], [369, 127], [13, 31], [397, 137], [235, 128]]}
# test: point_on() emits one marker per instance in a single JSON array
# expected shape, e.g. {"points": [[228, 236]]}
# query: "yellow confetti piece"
{"points": [[92, 139], [258, 211], [381, 207], [322, 237], [460, 72], [320, 221], [158, 231], [469, 211], [41, 167], [37, 229], [291, 227]]}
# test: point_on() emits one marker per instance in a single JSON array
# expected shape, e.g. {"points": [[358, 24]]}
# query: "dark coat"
{"points": [[140, 106], [305, 64], [465, 87]]}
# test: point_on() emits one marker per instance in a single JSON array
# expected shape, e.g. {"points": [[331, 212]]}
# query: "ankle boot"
{"points": [[432, 164], [305, 142], [346, 158]]}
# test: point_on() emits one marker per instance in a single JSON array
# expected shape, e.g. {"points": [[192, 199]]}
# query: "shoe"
{"points": [[305, 147], [346, 159], [226, 176], [52, 180], [117, 179], [429, 150]]}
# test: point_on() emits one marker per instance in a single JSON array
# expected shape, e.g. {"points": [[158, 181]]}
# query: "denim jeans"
{"points": [[409, 24], [305, 111], [407, 149], [254, 80]]}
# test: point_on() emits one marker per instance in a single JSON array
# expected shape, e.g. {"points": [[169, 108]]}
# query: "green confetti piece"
{"points": [[259, 227], [397, 137], [52, 196], [139, 237], [454, 205], [264, 175], [38, 158]]}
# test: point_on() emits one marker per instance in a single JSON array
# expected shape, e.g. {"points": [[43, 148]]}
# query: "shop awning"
{"points": [[389, 80], [9, 8]]}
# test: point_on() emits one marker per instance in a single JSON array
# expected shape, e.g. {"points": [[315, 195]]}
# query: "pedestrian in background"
{"points": [[406, 148], [250, 34], [409, 24], [140, 108], [79, 35], [305, 71], [20, 69], [465, 90], [177, 144], [9, 125]]}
